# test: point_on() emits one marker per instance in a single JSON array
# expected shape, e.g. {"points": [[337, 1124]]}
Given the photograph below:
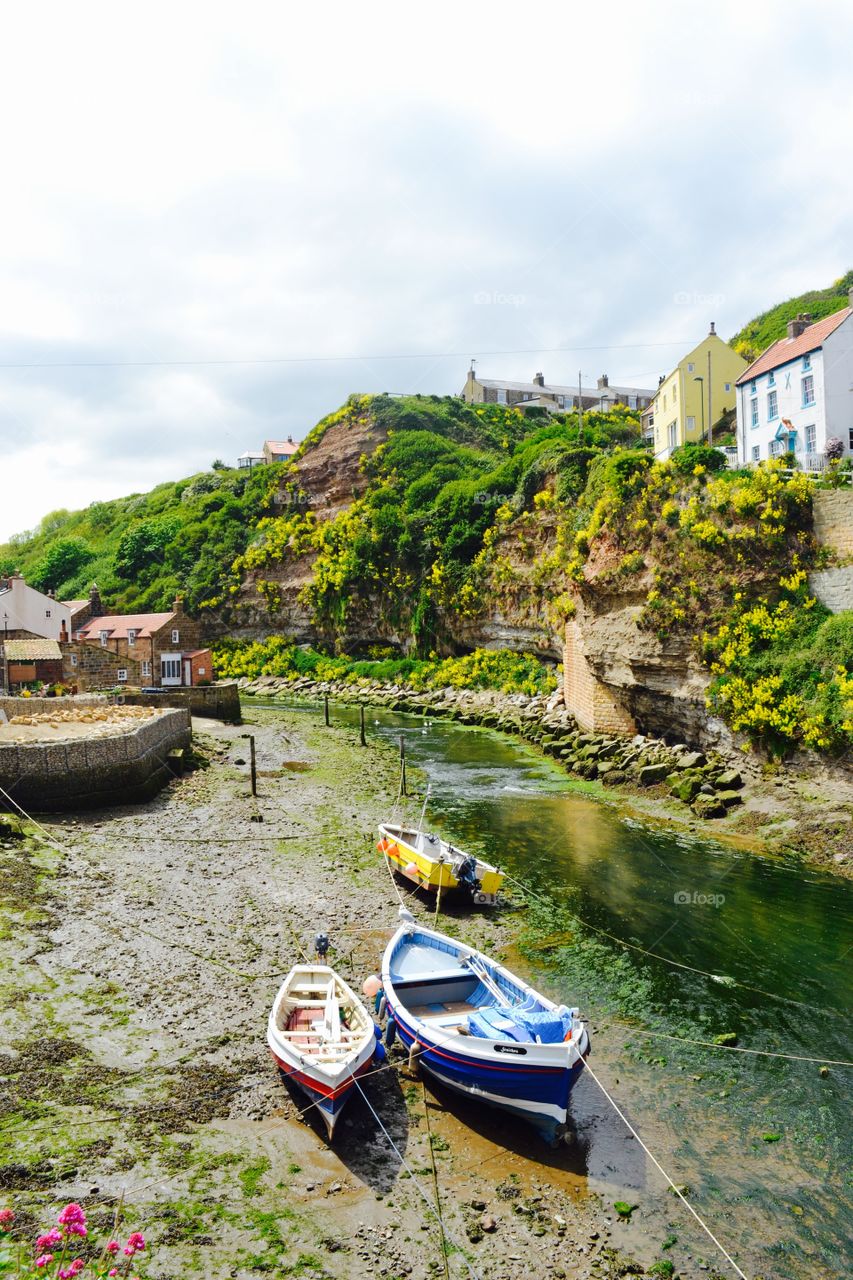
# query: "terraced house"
{"points": [[798, 394]]}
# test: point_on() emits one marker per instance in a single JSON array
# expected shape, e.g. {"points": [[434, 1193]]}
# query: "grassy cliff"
{"points": [[771, 325]]}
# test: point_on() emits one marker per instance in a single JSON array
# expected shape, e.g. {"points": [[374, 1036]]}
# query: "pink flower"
{"points": [[113, 1271], [73, 1219], [44, 1260], [113, 1246], [6, 1216], [135, 1244], [77, 1266], [46, 1241]]}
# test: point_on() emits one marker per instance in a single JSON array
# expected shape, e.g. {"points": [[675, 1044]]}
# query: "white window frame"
{"points": [[131, 636], [756, 453], [691, 422], [501, 395], [146, 669], [73, 659], [772, 398], [176, 636], [753, 411], [809, 378], [121, 675], [105, 635], [810, 438]]}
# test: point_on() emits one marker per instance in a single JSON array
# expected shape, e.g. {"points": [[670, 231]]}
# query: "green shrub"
{"points": [[687, 457]]}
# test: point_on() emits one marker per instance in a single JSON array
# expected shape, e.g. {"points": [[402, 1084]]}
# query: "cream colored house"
{"points": [[691, 399]]}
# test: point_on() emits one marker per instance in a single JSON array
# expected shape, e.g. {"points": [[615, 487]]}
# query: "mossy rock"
{"points": [[651, 774], [729, 779], [708, 807]]}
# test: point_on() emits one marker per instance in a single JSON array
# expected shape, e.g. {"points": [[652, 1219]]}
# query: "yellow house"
{"points": [[694, 396]]}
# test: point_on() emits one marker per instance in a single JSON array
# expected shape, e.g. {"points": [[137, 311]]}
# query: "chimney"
{"points": [[539, 379], [96, 609], [797, 326], [178, 604], [603, 381], [712, 333]]}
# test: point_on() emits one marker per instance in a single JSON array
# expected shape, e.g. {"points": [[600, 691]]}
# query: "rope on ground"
{"points": [[660, 1168], [435, 1178], [733, 1048], [434, 1209]]}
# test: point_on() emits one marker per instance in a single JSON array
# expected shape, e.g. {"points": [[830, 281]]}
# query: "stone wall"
{"points": [[33, 706], [86, 773], [833, 520], [833, 587], [213, 702], [587, 698], [97, 667]]}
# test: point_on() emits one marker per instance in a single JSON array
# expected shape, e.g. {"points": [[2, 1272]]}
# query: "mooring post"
{"points": [[326, 709], [252, 764], [362, 737], [403, 791]]}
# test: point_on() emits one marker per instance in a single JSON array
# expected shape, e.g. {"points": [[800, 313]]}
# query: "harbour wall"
{"points": [[87, 773]]}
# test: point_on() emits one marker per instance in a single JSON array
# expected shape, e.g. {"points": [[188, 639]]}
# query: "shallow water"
{"points": [[779, 936]]}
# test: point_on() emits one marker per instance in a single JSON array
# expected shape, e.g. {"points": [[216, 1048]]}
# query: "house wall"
{"points": [[586, 697], [48, 670], [787, 383], [32, 612], [838, 384], [96, 667], [687, 399]]}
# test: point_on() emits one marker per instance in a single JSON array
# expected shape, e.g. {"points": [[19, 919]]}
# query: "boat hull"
{"points": [[537, 1094], [329, 1100], [429, 873]]}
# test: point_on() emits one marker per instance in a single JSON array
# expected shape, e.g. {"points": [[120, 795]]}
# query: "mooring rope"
{"points": [[663, 1171]]}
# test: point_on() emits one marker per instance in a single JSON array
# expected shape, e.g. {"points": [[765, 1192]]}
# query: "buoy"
{"points": [[414, 1065], [411, 868], [382, 1007], [380, 1053], [390, 1032], [372, 985]]}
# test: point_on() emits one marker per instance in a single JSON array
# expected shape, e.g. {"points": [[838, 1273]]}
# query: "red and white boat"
{"points": [[321, 1036]]}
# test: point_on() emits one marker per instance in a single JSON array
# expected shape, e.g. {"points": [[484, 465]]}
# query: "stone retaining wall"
{"points": [[213, 701], [34, 706], [84, 773], [833, 587], [833, 520]]}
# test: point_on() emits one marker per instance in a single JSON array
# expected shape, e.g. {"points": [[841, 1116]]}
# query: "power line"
{"points": [[276, 360]]}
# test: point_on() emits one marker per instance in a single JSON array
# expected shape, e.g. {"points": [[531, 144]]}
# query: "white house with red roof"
{"points": [[798, 394]]}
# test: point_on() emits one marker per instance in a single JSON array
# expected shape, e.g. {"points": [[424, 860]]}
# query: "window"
{"points": [[121, 675], [753, 410], [146, 668], [691, 422], [201, 671], [850, 440], [772, 405], [176, 636], [777, 448], [74, 659], [807, 362], [752, 388], [131, 636], [728, 386], [47, 613], [632, 402], [756, 453], [104, 637], [771, 379], [808, 390], [672, 435], [501, 397], [690, 368], [810, 433]]}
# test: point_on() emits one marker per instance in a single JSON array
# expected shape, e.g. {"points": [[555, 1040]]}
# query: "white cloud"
{"points": [[187, 182]]}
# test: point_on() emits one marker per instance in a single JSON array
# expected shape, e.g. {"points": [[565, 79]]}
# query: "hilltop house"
{"points": [[28, 614], [273, 451], [552, 396], [694, 396], [798, 394]]}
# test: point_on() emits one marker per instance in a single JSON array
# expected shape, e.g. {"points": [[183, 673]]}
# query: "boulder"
{"points": [[729, 779], [689, 759], [708, 807], [730, 797], [652, 773]]}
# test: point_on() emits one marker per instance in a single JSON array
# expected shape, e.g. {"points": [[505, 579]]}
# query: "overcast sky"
{"points": [[582, 187]]}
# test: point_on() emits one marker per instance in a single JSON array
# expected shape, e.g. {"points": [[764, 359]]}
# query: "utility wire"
{"points": [[275, 360]]}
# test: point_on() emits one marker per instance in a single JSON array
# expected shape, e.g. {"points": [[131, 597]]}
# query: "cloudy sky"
{"points": [[217, 221]]}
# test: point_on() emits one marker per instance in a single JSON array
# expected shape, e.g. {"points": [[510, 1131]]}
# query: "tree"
{"points": [[63, 559]]}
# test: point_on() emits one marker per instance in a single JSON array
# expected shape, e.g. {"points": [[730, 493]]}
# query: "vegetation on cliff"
{"points": [[771, 325], [503, 670]]}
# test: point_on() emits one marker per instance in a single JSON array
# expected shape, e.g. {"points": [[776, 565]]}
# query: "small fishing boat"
{"points": [[438, 866], [480, 1030], [321, 1036]]}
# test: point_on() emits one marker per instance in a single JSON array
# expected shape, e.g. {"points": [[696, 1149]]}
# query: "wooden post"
{"points": [[326, 709], [362, 738], [253, 771], [403, 791]]}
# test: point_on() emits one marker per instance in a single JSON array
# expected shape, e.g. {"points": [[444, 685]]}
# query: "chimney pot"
{"points": [[603, 381], [713, 332], [539, 379]]}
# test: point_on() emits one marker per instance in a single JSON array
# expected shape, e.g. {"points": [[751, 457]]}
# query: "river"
{"points": [[721, 941]]}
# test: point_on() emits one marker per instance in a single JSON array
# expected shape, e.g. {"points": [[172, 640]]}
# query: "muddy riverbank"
{"points": [[141, 954]]}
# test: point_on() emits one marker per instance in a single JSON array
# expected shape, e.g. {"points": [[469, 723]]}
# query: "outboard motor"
{"points": [[466, 873], [321, 946]]}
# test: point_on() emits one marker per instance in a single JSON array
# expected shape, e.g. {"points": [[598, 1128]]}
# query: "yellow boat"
{"points": [[435, 865]]}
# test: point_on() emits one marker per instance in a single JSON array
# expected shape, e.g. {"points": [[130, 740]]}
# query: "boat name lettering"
{"points": [[510, 1048]]}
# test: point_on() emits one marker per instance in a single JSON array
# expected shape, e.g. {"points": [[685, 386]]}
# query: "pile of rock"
{"points": [[704, 781]]}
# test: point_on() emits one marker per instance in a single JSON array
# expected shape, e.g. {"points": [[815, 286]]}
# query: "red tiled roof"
{"points": [[118, 625], [790, 348], [197, 653], [281, 446]]}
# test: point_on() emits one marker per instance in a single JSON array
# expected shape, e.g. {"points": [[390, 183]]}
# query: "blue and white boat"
{"points": [[480, 1030]]}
